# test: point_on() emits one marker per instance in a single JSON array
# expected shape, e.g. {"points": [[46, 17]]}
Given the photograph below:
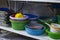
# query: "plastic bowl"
{"points": [[33, 31], [53, 35], [13, 18], [48, 19], [55, 28], [18, 25], [36, 25], [31, 16]]}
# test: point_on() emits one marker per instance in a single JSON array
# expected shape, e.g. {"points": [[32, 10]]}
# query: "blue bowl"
{"points": [[4, 9], [35, 32], [32, 17]]}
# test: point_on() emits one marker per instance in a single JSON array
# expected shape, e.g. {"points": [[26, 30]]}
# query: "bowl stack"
{"points": [[3, 20], [18, 23], [4, 17], [35, 29], [54, 31], [53, 35]]}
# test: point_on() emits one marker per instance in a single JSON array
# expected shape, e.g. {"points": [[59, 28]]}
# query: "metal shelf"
{"points": [[52, 1], [23, 32]]}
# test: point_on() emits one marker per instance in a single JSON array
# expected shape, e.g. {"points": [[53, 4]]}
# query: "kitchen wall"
{"points": [[3, 3], [40, 9]]}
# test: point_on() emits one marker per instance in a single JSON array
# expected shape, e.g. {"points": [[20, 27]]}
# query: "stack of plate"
{"points": [[3, 16]]}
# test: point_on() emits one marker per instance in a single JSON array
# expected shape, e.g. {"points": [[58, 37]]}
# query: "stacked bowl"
{"points": [[4, 17], [54, 31], [35, 29], [18, 23]]}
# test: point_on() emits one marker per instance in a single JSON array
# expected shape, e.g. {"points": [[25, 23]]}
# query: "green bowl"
{"points": [[18, 25], [53, 35]]}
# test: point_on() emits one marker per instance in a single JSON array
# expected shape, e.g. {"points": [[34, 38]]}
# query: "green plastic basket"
{"points": [[18, 25], [53, 35]]}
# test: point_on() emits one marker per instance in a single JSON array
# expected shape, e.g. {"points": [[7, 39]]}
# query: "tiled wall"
{"points": [[33, 8], [37, 8], [40, 9], [3, 3]]}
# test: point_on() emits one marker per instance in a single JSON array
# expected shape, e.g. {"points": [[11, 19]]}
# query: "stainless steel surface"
{"points": [[52, 1]]}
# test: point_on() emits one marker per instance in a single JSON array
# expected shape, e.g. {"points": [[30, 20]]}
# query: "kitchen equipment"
{"points": [[35, 25], [47, 19], [18, 23], [32, 17], [35, 31], [53, 35], [4, 15], [55, 28], [13, 18]]}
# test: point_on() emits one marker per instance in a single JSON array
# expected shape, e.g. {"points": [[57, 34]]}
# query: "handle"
{"points": [[45, 23]]}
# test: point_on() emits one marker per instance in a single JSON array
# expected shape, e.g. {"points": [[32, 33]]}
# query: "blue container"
{"points": [[35, 32], [4, 9], [32, 17]]}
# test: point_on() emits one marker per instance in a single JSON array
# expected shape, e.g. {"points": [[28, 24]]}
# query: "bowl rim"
{"points": [[48, 31], [55, 27], [26, 17], [35, 29], [32, 18]]}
